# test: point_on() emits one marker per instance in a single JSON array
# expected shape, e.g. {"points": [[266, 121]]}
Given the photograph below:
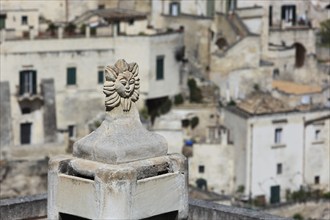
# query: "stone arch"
{"points": [[300, 55], [221, 43]]}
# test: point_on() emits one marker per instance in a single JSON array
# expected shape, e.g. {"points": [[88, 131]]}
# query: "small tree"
{"points": [[195, 92], [325, 33]]}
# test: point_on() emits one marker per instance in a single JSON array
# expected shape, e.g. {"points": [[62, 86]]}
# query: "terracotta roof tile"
{"points": [[295, 88]]}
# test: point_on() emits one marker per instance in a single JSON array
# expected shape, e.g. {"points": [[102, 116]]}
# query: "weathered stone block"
{"points": [[135, 190]]}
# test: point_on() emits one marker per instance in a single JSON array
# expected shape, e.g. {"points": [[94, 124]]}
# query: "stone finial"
{"points": [[122, 85], [121, 137]]}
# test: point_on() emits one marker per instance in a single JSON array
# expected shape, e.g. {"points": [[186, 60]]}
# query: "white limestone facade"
{"points": [[276, 153], [79, 96]]}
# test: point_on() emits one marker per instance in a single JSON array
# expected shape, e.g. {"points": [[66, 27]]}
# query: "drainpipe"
{"points": [[304, 152], [251, 161]]}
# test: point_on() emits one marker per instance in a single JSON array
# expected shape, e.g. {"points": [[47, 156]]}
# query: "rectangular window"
{"points": [[174, 9], [71, 76], [24, 20], [2, 21], [278, 135], [279, 168], [26, 133], [28, 82], [317, 179], [160, 67], [201, 169], [72, 131], [100, 77], [289, 13]]}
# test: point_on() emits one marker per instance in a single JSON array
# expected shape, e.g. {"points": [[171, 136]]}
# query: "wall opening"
{"points": [[221, 43], [300, 55]]}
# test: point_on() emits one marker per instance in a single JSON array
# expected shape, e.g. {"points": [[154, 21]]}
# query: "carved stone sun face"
{"points": [[125, 84], [122, 85]]}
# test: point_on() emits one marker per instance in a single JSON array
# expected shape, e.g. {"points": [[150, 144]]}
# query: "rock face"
{"points": [[121, 137]]}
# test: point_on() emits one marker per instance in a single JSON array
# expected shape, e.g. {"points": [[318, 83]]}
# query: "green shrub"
{"points": [[195, 92], [298, 216], [194, 122], [178, 99], [166, 106]]}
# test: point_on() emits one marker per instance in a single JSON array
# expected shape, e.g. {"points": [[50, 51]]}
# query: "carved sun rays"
{"points": [[122, 85]]}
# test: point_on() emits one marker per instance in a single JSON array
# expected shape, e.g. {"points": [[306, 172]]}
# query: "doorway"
{"points": [[275, 194]]}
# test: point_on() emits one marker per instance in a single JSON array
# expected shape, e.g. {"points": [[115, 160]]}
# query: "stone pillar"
{"points": [[121, 170], [88, 31], [3, 35], [49, 112], [5, 119], [60, 32]]}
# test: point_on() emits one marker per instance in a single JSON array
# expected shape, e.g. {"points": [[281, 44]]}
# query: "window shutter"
{"points": [[283, 12], [160, 68], [21, 82], [34, 82], [71, 76]]}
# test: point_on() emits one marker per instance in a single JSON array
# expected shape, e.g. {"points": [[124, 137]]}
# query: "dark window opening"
{"points": [[131, 22], [270, 18], [100, 77], [289, 13], [72, 130], [28, 82], [174, 8], [201, 183], [24, 20], [328, 7], [201, 168], [26, 133], [2, 21], [71, 76], [278, 135], [279, 168], [276, 73], [101, 6], [159, 67], [300, 55], [231, 5], [26, 110], [317, 180]]}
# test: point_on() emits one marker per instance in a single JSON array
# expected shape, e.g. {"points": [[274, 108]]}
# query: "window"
{"points": [[201, 169], [26, 133], [71, 76], [278, 135], [72, 131], [279, 168], [27, 82], [100, 77], [160, 67], [24, 20], [289, 13], [174, 9], [26, 110], [317, 134], [2, 22], [317, 180], [231, 5]]}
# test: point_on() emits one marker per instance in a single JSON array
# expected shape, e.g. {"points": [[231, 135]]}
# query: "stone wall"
{"points": [[32, 207], [5, 119]]}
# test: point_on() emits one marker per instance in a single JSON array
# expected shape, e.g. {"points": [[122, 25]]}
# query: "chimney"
{"points": [[121, 170]]}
